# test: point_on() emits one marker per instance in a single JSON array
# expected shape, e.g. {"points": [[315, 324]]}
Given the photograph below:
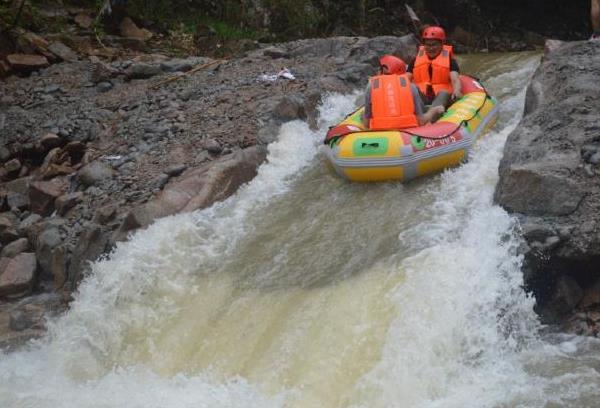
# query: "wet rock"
{"points": [[31, 313], [18, 276], [530, 189], [46, 242], [547, 175], [290, 108], [14, 248], [198, 189], [92, 243], [95, 173]]}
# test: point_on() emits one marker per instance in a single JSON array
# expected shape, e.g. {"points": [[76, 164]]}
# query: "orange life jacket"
{"points": [[440, 70], [392, 105]]}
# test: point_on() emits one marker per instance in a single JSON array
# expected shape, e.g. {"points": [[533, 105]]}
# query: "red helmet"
{"points": [[393, 65], [434, 33]]}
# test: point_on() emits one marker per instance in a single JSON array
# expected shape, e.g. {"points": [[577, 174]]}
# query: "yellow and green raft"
{"points": [[360, 154]]}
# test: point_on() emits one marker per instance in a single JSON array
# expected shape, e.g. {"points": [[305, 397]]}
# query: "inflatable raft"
{"points": [[360, 154]]}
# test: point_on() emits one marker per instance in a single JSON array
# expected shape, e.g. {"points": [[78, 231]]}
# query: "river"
{"points": [[303, 290]]}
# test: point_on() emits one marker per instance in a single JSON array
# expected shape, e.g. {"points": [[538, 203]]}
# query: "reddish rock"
{"points": [[130, 30], [76, 150], [5, 223], [42, 195], [32, 43], [27, 62], [591, 297], [197, 189], [54, 170], [18, 275], [67, 201], [84, 20], [104, 214]]}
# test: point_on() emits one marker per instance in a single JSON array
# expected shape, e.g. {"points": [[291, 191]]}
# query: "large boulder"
{"points": [[198, 188], [17, 276], [550, 173]]}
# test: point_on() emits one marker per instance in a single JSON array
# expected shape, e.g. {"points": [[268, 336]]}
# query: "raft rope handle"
{"points": [[376, 144]]}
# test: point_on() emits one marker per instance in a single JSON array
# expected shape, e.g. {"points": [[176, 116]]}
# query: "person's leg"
{"points": [[417, 100], [595, 17], [441, 99], [431, 115]]}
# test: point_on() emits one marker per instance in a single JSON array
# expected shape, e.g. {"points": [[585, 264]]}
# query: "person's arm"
{"points": [[455, 79], [409, 69], [367, 112], [456, 86]]}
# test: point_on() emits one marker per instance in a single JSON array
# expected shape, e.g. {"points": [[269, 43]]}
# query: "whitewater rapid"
{"points": [[303, 290]]}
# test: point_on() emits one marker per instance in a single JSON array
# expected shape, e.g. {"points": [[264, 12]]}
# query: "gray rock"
{"points": [[94, 173], [12, 165], [15, 248], [162, 180], [548, 176], [104, 86], [175, 170], [177, 65], [275, 52], [289, 108], [91, 244], [62, 51], [28, 222], [17, 200], [212, 146], [142, 71], [18, 275]]}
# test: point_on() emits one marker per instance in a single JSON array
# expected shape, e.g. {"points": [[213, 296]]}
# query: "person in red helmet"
{"points": [[434, 70], [392, 101]]}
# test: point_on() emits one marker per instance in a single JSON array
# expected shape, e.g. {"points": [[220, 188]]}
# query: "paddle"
{"points": [[416, 22]]}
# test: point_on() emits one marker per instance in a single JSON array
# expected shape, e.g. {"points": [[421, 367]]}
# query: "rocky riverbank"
{"points": [[95, 148], [549, 178]]}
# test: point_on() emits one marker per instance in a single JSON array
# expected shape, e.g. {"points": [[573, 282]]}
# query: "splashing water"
{"points": [[303, 290]]}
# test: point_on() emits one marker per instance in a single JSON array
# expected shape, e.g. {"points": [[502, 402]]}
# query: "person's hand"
{"points": [[457, 94]]}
